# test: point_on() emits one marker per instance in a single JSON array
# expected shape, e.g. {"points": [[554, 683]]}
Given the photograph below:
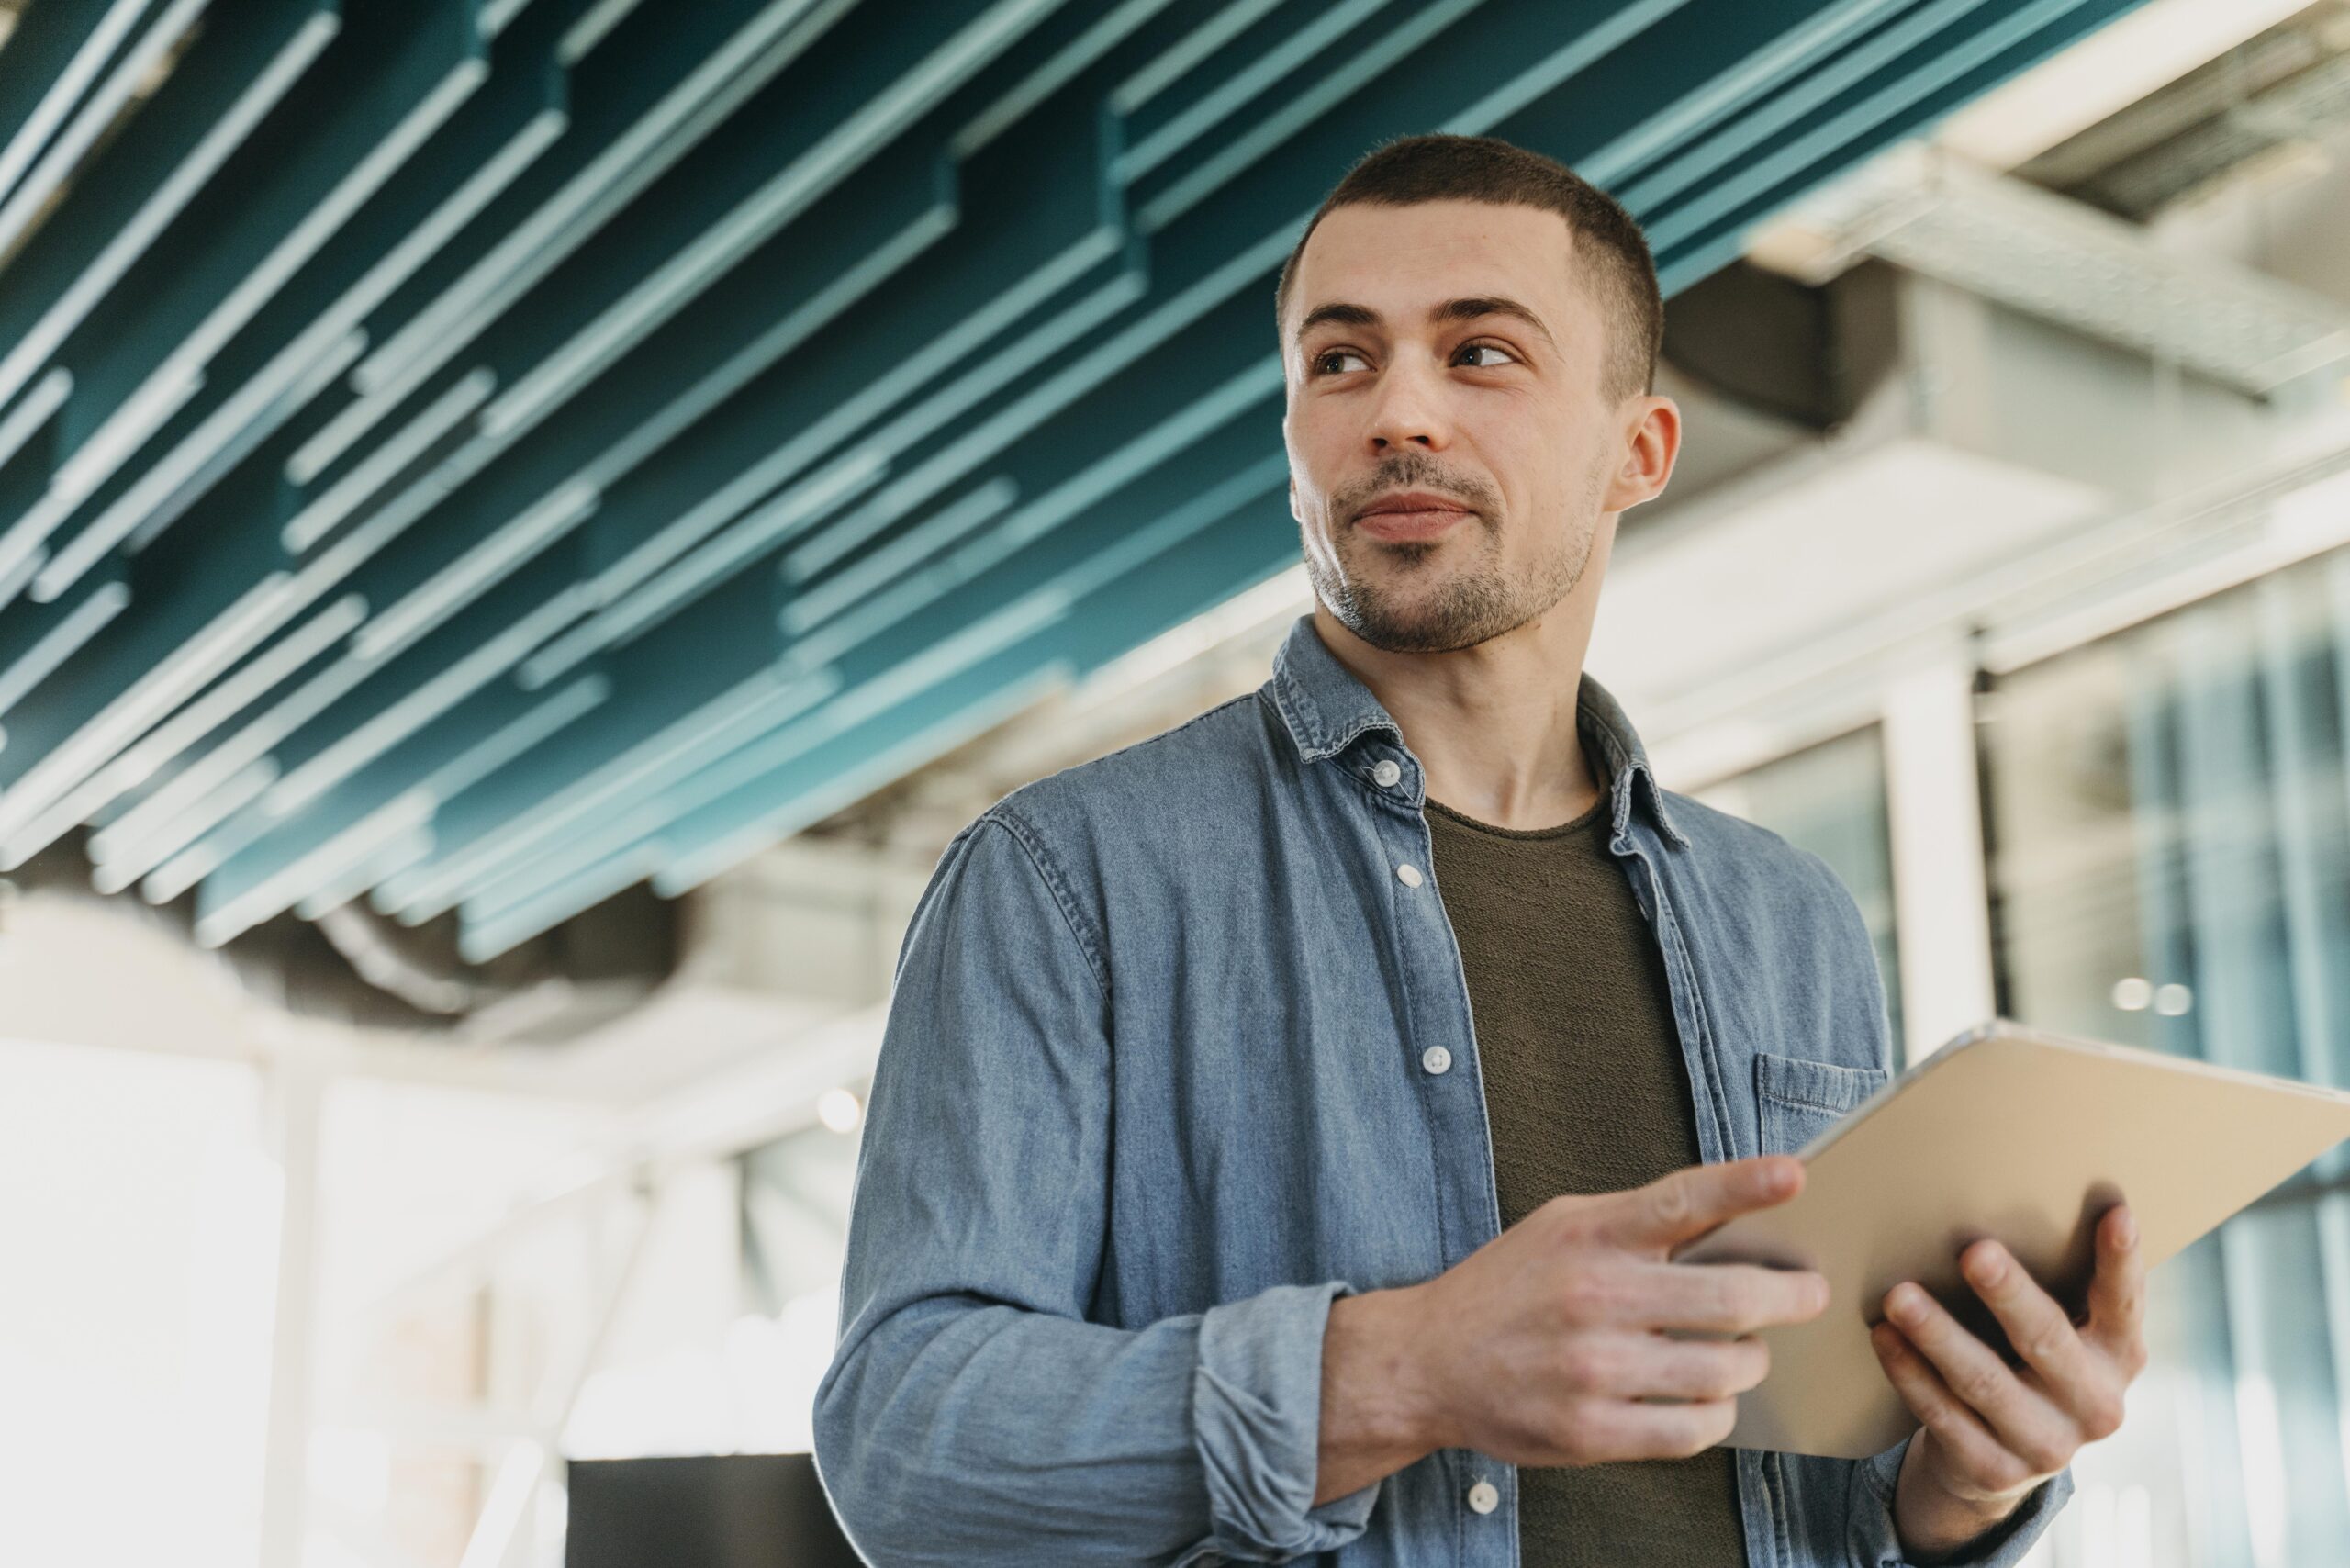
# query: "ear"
{"points": [[1296, 514], [1650, 439]]}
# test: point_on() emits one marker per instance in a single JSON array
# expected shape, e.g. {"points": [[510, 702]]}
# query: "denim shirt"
{"points": [[1159, 1083]]}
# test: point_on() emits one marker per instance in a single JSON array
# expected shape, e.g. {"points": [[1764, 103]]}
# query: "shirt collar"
{"points": [[1327, 710]]}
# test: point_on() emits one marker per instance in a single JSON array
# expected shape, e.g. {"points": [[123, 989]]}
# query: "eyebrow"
{"points": [[1473, 308]]}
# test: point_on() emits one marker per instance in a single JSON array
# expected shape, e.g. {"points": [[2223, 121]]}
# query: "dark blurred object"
{"points": [[1807, 355], [752, 1510]]}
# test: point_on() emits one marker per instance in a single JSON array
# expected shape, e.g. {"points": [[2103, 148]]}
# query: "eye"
{"points": [[1482, 347], [1329, 362]]}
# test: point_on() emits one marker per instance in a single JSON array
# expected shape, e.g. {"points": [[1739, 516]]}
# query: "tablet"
{"points": [[2010, 1133]]}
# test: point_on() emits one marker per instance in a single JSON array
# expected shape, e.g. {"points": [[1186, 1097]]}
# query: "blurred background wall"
{"points": [[525, 526]]}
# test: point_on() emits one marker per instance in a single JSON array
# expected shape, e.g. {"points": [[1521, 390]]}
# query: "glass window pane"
{"points": [[1830, 798], [2170, 825]]}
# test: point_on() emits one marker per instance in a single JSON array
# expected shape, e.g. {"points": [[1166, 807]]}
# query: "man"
{"points": [[1195, 1222]]}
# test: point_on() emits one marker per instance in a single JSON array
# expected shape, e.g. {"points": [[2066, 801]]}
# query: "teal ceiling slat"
{"points": [[1157, 505], [896, 349], [414, 715], [816, 555], [81, 64], [355, 702], [1846, 60], [765, 281], [405, 822], [773, 698], [719, 203], [425, 201], [475, 473], [1714, 66], [1309, 104], [472, 164], [1204, 31], [339, 130], [1191, 575], [106, 799], [1908, 70], [584, 890], [227, 81], [1022, 248], [1565, 50], [27, 421], [39, 638], [1221, 82], [1064, 482], [892, 217], [158, 627], [550, 588], [650, 92], [384, 596], [370, 98], [653, 730], [386, 584], [1909, 107], [856, 701], [60, 53], [1068, 419], [195, 597], [886, 742]]}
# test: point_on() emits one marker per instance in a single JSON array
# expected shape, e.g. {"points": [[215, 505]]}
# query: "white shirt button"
{"points": [[1483, 1498], [1436, 1059], [1385, 772], [1408, 874]]}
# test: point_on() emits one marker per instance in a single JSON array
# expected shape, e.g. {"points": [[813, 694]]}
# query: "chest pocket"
{"points": [[1799, 1099]]}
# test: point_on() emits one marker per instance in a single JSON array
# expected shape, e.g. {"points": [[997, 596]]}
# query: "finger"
{"points": [[1694, 1199], [2023, 1420], [1971, 1444], [2118, 1290], [1617, 1429], [1722, 1298], [2039, 1328], [1644, 1366]]}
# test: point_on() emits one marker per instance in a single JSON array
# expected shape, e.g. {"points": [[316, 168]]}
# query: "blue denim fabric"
{"points": [[1151, 1096]]}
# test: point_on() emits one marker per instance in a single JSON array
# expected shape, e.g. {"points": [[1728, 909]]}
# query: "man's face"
{"points": [[1451, 451]]}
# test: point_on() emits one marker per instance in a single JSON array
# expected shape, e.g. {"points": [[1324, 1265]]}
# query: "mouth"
{"points": [[1410, 517]]}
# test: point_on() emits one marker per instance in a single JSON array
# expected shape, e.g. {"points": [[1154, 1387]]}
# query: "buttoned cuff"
{"points": [[1257, 1419], [1875, 1541]]}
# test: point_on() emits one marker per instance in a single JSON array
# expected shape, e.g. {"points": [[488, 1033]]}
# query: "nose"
{"points": [[1409, 412]]}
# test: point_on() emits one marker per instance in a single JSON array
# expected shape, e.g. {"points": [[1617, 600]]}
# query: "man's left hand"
{"points": [[1992, 1432]]}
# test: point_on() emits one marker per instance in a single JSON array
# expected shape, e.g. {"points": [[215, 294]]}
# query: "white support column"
{"points": [[294, 1087], [1941, 898]]}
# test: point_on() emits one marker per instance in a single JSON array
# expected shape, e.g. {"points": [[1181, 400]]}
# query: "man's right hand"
{"points": [[1540, 1347]]}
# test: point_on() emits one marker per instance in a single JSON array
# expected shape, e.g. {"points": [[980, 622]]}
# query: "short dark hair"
{"points": [[1418, 169]]}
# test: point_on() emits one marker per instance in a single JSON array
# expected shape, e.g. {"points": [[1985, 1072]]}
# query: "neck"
{"points": [[1493, 726]]}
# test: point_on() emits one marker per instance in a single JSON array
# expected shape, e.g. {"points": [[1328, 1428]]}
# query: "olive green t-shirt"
{"points": [[1586, 1092]]}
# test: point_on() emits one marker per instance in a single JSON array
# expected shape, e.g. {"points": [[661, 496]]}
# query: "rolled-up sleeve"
{"points": [[1873, 1542], [971, 1414]]}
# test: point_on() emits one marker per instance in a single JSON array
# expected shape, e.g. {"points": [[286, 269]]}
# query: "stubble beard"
{"points": [[1370, 590]]}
